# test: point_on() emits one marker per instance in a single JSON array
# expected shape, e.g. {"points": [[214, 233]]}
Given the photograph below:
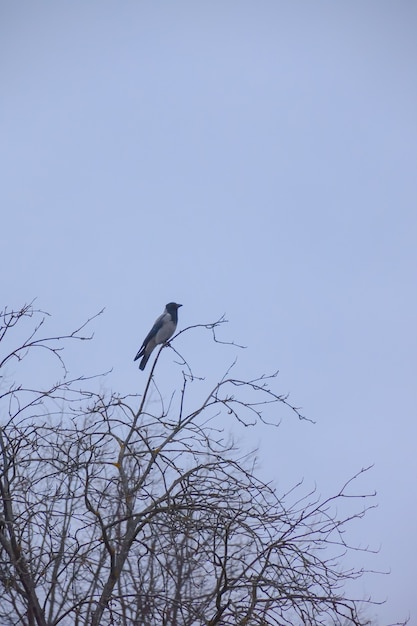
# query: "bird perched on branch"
{"points": [[161, 331]]}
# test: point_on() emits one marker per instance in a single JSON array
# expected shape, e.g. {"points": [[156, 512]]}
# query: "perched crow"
{"points": [[161, 331]]}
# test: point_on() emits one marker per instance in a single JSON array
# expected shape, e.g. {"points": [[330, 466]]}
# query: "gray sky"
{"points": [[250, 158]]}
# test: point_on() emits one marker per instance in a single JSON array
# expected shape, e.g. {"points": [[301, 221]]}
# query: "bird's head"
{"points": [[172, 307]]}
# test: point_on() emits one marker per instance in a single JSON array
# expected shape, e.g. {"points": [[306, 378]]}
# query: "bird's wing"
{"points": [[162, 319], [152, 334]]}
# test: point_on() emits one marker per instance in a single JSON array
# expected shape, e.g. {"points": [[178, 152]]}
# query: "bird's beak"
{"points": [[178, 305]]}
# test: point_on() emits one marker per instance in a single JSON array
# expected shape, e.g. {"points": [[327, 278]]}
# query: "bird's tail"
{"points": [[139, 354], [144, 361]]}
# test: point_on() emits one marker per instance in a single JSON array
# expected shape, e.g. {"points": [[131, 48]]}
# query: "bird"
{"points": [[161, 331]]}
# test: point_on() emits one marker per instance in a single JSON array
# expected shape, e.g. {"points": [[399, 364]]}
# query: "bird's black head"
{"points": [[172, 307]]}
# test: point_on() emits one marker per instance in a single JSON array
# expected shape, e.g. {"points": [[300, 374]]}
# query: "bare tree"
{"points": [[126, 511]]}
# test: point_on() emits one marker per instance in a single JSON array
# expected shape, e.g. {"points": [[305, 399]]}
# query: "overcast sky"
{"points": [[250, 158]]}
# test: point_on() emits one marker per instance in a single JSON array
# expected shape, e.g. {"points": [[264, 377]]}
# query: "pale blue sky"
{"points": [[250, 158]]}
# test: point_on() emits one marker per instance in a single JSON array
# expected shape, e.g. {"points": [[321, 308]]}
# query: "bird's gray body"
{"points": [[161, 331]]}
